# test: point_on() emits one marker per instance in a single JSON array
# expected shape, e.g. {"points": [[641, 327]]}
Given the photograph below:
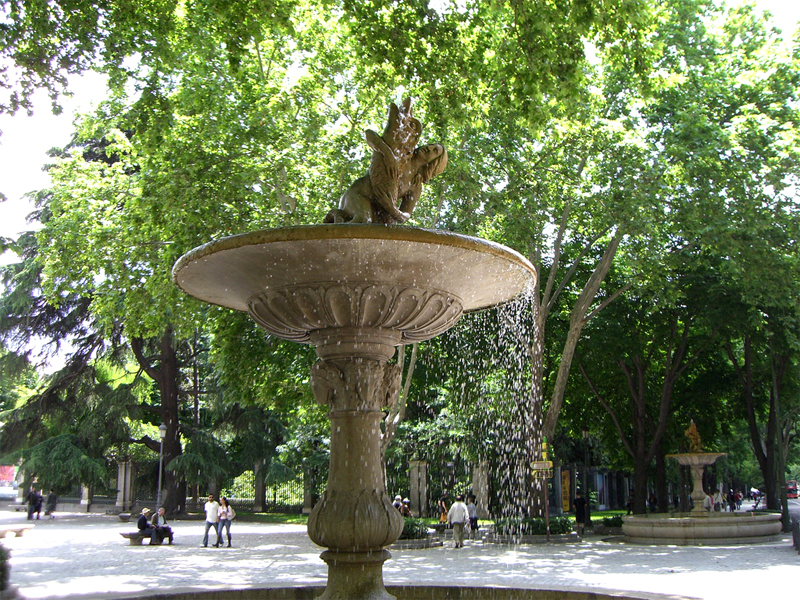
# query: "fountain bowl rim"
{"points": [[216, 291], [353, 231]]}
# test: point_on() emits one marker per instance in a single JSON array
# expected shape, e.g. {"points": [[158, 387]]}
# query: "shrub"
{"points": [[414, 529], [532, 526], [615, 521]]}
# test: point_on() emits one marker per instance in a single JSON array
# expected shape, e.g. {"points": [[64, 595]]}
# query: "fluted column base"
{"points": [[355, 575]]}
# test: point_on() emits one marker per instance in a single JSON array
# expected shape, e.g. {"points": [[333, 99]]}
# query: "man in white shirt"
{"points": [[457, 516], [212, 517]]}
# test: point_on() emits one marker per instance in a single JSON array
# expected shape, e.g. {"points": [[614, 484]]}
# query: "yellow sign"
{"points": [[565, 479]]}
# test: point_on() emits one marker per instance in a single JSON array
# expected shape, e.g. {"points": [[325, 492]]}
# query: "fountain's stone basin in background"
{"points": [[414, 592], [684, 529]]}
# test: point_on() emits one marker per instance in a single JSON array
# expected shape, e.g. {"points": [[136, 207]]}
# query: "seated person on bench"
{"points": [[146, 528], [160, 523]]}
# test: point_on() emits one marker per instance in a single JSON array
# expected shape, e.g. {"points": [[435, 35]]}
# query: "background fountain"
{"points": [[699, 526]]}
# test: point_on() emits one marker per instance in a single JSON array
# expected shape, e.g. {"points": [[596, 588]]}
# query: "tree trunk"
{"points": [[166, 375], [662, 492], [577, 320], [763, 448], [260, 500], [640, 473]]}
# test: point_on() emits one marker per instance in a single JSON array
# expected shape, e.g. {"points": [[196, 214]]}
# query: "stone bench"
{"points": [[137, 537], [17, 531]]}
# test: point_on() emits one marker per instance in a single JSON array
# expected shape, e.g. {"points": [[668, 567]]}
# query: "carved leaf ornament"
{"points": [[293, 311]]}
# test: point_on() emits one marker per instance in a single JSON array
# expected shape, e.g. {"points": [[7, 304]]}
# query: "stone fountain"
{"points": [[697, 461], [699, 526], [356, 289]]}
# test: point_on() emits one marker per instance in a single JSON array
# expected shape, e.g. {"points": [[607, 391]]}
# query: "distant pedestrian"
{"points": [[31, 500], [473, 516], [405, 508], [718, 500], [38, 506], [50, 507], [458, 516], [212, 518], [398, 502], [579, 503], [443, 508], [731, 501], [629, 503], [652, 502], [708, 503], [226, 516]]}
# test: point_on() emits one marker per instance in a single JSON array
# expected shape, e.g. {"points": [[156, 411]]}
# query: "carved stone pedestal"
{"points": [[355, 575], [355, 518]]}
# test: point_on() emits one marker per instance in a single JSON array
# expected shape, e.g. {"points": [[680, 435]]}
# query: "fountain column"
{"points": [[355, 518], [698, 495]]}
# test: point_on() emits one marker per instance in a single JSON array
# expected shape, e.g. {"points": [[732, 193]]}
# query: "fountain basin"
{"points": [[690, 529], [298, 280], [413, 592], [697, 459]]}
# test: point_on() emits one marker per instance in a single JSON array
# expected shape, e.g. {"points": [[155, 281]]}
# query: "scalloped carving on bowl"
{"points": [[293, 312]]}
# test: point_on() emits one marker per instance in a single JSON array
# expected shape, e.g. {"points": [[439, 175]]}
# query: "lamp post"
{"points": [[585, 432], [162, 433]]}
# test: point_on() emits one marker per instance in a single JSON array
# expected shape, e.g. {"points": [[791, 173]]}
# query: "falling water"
{"points": [[499, 401]]}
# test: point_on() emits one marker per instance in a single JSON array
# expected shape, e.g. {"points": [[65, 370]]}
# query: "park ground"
{"points": [[84, 556]]}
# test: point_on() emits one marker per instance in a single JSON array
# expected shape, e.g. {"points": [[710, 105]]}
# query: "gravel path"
{"points": [[84, 556]]}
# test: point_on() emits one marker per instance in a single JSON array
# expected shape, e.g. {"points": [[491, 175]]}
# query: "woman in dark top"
{"points": [[580, 511]]}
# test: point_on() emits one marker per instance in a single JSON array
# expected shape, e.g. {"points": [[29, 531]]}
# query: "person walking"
{"points": [[579, 504], [50, 507], [38, 507], [719, 501], [226, 515], [473, 516], [443, 508], [458, 516], [212, 518], [31, 500]]}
